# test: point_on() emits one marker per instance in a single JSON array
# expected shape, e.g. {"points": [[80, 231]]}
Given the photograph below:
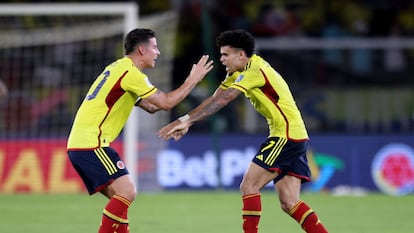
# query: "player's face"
{"points": [[151, 53], [232, 59]]}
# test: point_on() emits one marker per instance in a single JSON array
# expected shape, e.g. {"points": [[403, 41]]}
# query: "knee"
{"points": [[246, 188], [287, 205], [129, 193]]}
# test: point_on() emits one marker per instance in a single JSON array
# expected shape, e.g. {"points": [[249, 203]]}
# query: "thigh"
{"points": [[123, 186], [255, 178], [288, 189]]}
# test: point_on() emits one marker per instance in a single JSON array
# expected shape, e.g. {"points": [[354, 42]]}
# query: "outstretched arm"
{"points": [[208, 107], [166, 101], [147, 106]]}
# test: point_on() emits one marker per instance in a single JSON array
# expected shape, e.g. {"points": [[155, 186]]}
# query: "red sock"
{"points": [[252, 209], [307, 218], [115, 216]]}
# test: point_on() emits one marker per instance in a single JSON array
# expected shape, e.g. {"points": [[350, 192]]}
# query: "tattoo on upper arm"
{"points": [[230, 94]]}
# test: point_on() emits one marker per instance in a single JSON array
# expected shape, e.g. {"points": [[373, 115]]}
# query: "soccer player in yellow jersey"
{"points": [[282, 156], [104, 112]]}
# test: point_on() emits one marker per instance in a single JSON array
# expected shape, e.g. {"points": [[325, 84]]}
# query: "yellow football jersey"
{"points": [[107, 105], [271, 97]]}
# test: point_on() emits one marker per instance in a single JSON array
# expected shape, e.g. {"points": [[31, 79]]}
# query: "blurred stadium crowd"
{"points": [[344, 69], [200, 21], [320, 19]]}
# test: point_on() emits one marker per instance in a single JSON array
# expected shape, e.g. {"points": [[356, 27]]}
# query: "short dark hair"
{"points": [[136, 37], [238, 38]]}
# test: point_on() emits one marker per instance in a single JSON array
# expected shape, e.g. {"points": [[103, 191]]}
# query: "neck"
{"points": [[136, 61], [244, 63]]}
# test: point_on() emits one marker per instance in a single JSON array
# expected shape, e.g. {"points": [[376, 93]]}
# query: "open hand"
{"points": [[175, 129], [199, 70]]}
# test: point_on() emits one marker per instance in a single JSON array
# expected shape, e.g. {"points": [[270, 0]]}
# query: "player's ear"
{"points": [[141, 49], [242, 53]]}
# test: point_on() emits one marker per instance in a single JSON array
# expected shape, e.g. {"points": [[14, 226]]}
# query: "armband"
{"points": [[184, 118]]}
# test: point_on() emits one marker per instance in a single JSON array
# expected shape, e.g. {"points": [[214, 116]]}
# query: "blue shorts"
{"points": [[98, 168], [285, 157]]}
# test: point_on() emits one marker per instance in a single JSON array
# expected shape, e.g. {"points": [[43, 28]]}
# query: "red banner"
{"points": [[38, 166]]}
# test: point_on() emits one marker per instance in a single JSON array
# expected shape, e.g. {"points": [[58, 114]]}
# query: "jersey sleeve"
{"points": [[139, 84], [229, 80], [246, 80]]}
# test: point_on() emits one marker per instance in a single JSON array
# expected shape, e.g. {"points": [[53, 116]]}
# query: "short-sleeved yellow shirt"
{"points": [[271, 97], [107, 105]]}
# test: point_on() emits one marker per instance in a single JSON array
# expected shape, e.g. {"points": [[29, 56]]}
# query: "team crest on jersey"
{"points": [[120, 164], [238, 79]]}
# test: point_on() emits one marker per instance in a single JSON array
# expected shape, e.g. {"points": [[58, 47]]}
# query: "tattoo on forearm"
{"points": [[210, 109], [148, 106], [216, 104]]}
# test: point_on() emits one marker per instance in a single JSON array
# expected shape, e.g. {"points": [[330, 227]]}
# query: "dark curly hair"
{"points": [[238, 38], [136, 37]]}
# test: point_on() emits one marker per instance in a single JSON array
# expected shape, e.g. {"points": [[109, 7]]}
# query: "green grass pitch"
{"points": [[203, 212]]}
